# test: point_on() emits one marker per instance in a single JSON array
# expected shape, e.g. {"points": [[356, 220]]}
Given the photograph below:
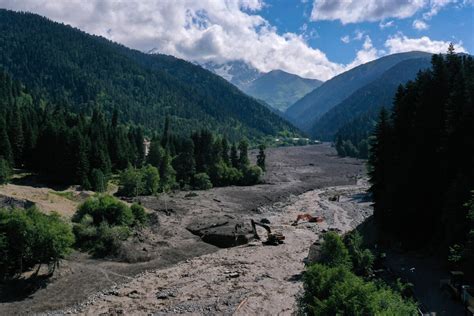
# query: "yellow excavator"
{"points": [[273, 238]]}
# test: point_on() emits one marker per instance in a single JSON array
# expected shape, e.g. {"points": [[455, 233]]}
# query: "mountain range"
{"points": [[277, 88], [368, 100], [306, 112], [66, 66]]}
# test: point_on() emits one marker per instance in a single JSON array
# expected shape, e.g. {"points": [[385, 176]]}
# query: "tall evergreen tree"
{"points": [[234, 156], [243, 154], [5, 147], [261, 157]]}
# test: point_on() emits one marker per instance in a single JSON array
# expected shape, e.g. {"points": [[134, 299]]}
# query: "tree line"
{"points": [[422, 157], [69, 148]]}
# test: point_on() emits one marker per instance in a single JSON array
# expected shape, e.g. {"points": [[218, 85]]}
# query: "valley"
{"points": [[297, 178], [248, 157]]}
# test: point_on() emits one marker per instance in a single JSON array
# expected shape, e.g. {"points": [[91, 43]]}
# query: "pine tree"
{"points": [[165, 139], [243, 154], [155, 153], [184, 163], [167, 173], [5, 147], [378, 159], [5, 171], [15, 133], [98, 181], [234, 158], [225, 151], [261, 157]]}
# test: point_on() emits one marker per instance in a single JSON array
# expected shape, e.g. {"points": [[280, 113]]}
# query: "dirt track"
{"points": [[169, 245]]}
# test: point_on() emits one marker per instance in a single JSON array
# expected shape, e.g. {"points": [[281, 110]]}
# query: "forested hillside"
{"points": [[422, 160], [306, 111], [368, 100], [280, 89], [69, 148], [67, 66]]}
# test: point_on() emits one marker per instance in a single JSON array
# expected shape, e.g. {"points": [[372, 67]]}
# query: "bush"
{"points": [[144, 181], [131, 182], [334, 252], [139, 214], [151, 180], [362, 259], [105, 208], [29, 237], [103, 222], [109, 239], [337, 291], [251, 175], [202, 181], [5, 171]]}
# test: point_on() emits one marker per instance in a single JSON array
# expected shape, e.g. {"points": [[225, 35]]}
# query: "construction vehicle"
{"points": [[308, 218], [273, 238]]}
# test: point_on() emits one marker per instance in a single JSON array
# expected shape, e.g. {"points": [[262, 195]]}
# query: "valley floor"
{"points": [[167, 269]]}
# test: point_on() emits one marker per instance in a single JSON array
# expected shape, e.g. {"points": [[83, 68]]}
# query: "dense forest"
{"points": [[62, 64], [422, 158], [69, 148]]}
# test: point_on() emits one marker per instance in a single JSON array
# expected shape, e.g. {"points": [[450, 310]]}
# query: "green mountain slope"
{"points": [[280, 89], [369, 99], [64, 64], [311, 107]]}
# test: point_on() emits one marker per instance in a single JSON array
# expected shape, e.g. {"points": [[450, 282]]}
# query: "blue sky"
{"points": [[311, 38], [454, 22]]}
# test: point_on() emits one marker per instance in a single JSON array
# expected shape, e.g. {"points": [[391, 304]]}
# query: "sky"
{"points": [[311, 38]]}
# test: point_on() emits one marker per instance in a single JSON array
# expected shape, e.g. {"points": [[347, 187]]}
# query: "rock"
{"points": [[11, 202], [222, 232], [314, 254], [264, 221], [165, 294]]}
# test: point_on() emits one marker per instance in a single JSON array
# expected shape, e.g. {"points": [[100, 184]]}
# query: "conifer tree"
{"points": [[225, 151], [261, 157], [167, 173], [165, 139], [5, 147], [5, 171], [15, 133], [234, 158], [243, 154], [155, 153]]}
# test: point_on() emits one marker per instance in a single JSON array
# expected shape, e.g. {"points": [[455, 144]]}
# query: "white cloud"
{"points": [[345, 39], [435, 7], [420, 25], [366, 54], [358, 35], [200, 31], [387, 24], [400, 43], [353, 11]]}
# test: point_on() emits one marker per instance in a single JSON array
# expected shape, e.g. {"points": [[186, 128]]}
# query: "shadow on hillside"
{"points": [[36, 181], [20, 289]]}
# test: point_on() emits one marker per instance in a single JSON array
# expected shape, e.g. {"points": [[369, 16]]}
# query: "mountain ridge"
{"points": [[369, 99], [312, 106], [277, 88], [68, 65]]}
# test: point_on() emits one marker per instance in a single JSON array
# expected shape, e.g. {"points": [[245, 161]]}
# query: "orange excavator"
{"points": [[308, 218]]}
